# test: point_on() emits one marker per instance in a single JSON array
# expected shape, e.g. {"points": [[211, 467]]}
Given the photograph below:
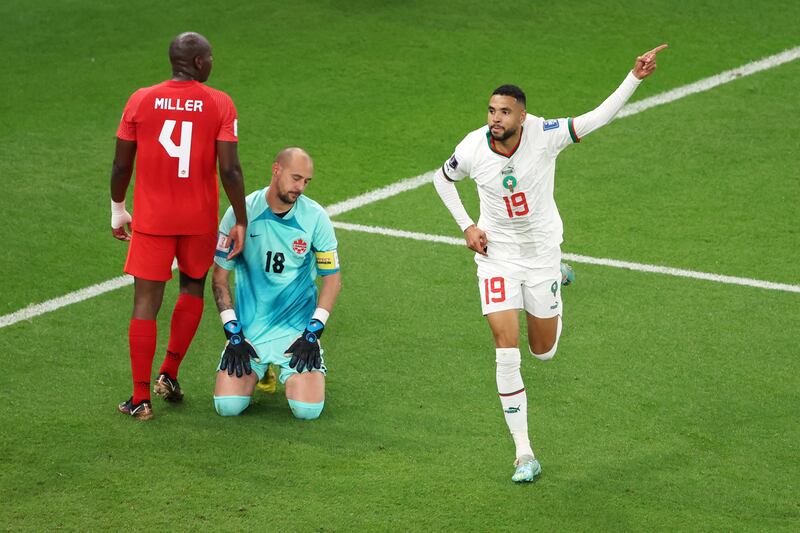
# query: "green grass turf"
{"points": [[376, 91], [644, 420], [671, 404]]}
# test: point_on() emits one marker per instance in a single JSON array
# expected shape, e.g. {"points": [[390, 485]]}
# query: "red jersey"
{"points": [[176, 125]]}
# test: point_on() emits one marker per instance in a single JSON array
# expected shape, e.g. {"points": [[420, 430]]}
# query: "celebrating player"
{"points": [[176, 131], [277, 319], [518, 237]]}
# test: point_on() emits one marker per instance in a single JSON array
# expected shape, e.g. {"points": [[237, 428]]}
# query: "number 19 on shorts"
{"points": [[494, 290]]}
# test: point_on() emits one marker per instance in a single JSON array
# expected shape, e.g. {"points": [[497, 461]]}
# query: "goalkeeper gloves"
{"points": [[305, 350], [238, 351]]}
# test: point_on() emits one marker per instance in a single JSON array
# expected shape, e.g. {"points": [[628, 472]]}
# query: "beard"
{"points": [[286, 198], [507, 134]]}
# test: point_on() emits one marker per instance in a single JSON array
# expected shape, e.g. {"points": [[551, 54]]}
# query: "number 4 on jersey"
{"points": [[184, 150]]}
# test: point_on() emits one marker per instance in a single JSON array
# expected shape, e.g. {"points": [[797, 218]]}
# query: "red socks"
{"points": [[185, 319], [142, 341]]}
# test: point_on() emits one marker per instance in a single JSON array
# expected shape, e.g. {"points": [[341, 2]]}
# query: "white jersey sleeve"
{"points": [[459, 165], [449, 195], [558, 133], [562, 132], [605, 112]]}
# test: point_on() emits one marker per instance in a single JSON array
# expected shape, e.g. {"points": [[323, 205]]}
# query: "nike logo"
{"points": [[512, 410], [255, 234]]}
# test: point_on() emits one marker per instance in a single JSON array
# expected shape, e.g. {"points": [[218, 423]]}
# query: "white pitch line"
{"points": [[711, 82], [628, 110], [33, 310], [640, 267], [410, 184], [380, 194]]}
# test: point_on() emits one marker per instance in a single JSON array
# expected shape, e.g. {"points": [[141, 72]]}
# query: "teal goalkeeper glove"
{"points": [[305, 351]]}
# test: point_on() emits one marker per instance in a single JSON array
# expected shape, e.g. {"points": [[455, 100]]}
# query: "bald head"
{"points": [[190, 55], [286, 156], [291, 173]]}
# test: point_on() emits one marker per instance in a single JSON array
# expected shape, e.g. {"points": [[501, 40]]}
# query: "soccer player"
{"points": [[176, 131], [278, 318], [518, 237]]}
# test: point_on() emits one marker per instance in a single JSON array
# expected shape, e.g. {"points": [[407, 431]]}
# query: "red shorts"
{"points": [[150, 256]]}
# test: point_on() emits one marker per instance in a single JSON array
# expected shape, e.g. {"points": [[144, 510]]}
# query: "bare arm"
{"points": [[122, 169], [230, 172], [121, 172], [331, 285], [221, 288]]}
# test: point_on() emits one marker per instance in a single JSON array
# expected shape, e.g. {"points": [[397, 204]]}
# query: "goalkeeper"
{"points": [[277, 318]]}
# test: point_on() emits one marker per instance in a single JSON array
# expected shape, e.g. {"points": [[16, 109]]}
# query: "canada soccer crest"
{"points": [[299, 246]]}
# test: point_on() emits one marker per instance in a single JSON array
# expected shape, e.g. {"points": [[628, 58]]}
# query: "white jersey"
{"points": [[518, 210]]}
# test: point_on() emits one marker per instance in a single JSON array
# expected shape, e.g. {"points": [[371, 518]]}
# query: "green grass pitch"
{"points": [[672, 403]]}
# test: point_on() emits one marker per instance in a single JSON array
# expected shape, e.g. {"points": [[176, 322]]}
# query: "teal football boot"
{"points": [[567, 274], [527, 468]]}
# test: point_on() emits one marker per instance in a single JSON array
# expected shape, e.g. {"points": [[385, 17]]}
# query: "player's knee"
{"points": [[547, 352], [231, 405], [546, 356], [306, 410]]}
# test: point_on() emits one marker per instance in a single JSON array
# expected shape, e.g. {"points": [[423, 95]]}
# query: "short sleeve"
{"points": [[325, 246], [127, 124], [458, 166], [559, 133], [223, 248], [229, 120]]}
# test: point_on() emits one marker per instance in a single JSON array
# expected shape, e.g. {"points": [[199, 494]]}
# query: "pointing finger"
{"points": [[657, 49]]}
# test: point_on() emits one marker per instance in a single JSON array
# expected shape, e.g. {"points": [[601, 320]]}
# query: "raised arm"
{"points": [[644, 65]]}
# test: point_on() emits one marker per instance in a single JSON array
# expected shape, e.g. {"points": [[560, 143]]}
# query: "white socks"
{"points": [[513, 398]]}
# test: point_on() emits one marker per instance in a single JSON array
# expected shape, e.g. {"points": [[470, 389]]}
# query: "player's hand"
{"points": [[119, 218], [646, 63], [236, 236], [238, 351], [476, 239], [305, 351]]}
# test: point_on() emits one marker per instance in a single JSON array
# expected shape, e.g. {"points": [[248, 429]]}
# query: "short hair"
{"points": [[513, 91], [286, 155]]}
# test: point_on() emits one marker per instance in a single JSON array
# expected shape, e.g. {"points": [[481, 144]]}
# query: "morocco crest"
{"points": [[300, 246]]}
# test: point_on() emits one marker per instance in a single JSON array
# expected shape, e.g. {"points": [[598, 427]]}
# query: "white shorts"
{"points": [[513, 284]]}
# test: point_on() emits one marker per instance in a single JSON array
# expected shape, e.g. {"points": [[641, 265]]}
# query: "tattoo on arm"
{"points": [[222, 295]]}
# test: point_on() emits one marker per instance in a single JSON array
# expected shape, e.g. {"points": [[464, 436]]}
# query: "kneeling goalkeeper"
{"points": [[277, 318]]}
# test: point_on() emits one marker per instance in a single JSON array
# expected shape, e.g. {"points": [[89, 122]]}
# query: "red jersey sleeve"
{"points": [[229, 127], [127, 125]]}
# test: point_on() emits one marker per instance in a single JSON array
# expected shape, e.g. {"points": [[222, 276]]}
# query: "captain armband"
{"points": [[327, 262]]}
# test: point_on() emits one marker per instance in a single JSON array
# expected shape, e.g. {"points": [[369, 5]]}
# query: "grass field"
{"points": [[672, 403]]}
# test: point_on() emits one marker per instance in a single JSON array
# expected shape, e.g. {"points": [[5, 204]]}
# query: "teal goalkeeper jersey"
{"points": [[275, 290]]}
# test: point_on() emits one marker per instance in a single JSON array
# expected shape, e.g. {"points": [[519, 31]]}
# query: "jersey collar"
{"points": [[287, 220], [492, 147]]}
